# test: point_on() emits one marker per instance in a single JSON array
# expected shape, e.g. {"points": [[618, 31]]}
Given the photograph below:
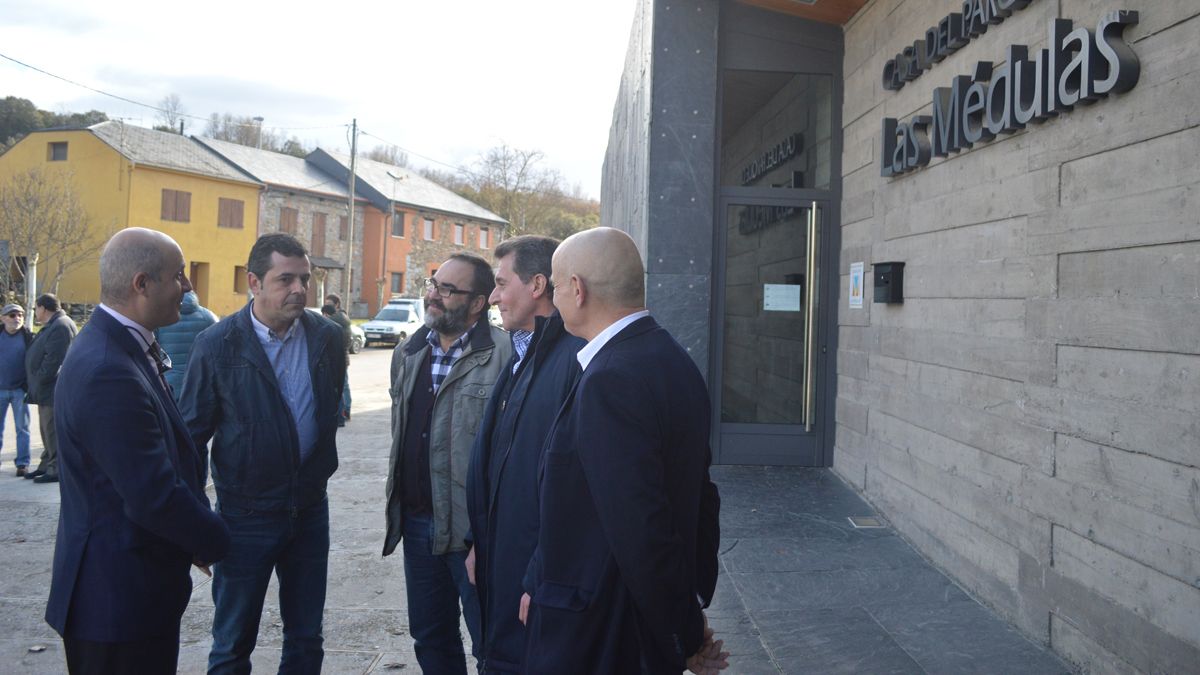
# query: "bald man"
{"points": [[627, 547], [134, 517]]}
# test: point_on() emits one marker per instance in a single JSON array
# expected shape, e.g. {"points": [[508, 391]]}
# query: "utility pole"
{"points": [[348, 289]]}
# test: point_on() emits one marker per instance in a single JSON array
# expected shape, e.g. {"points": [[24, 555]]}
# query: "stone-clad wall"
{"points": [[1030, 416], [335, 247]]}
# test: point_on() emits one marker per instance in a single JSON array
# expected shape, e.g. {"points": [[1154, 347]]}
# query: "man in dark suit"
{"points": [[627, 550], [43, 360], [502, 480], [134, 517]]}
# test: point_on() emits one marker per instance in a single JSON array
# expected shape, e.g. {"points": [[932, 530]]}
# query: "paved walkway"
{"points": [[802, 591]]}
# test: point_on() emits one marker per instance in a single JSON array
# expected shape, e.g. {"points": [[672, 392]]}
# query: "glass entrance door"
{"points": [[772, 332]]}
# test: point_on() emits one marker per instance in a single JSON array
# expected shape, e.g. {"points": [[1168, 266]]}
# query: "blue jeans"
{"points": [[436, 584], [296, 547], [16, 398]]}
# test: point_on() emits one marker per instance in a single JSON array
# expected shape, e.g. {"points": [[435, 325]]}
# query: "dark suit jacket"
{"points": [[627, 550], [502, 483], [133, 514], [44, 357]]}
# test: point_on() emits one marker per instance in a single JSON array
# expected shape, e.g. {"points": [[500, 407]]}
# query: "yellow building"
{"points": [[128, 176]]}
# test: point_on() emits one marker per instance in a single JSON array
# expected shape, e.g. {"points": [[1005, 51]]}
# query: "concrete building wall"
{"points": [[1029, 417], [658, 169]]}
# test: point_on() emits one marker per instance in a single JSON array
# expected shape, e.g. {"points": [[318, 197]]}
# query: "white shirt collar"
{"points": [[589, 350], [265, 334], [147, 334]]}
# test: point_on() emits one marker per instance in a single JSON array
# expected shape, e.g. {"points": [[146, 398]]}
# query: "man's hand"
{"points": [[203, 567], [523, 613], [471, 565], [709, 660]]}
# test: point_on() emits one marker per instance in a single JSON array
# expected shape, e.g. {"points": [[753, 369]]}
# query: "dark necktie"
{"points": [[161, 360]]}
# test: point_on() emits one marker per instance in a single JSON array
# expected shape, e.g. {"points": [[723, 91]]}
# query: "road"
{"points": [[366, 623]]}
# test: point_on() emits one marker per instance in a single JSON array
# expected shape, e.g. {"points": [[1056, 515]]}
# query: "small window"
{"points": [[240, 283], [397, 224], [56, 152], [230, 213], [429, 229], [317, 245], [458, 233], [483, 237], [177, 206], [343, 227], [288, 218], [397, 282]]}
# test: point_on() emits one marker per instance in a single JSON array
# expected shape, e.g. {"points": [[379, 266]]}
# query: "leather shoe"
{"points": [[35, 473], [44, 478], [20, 471]]}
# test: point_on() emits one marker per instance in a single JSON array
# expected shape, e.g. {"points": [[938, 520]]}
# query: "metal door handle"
{"points": [[810, 320]]}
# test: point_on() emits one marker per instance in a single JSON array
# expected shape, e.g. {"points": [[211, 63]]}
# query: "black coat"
{"points": [[45, 355], [629, 530], [502, 483]]}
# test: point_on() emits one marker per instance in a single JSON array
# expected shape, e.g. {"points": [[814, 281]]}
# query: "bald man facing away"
{"points": [[134, 517], [627, 547]]}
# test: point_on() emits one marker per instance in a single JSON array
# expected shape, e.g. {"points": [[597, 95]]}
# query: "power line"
{"points": [[152, 107], [415, 154]]}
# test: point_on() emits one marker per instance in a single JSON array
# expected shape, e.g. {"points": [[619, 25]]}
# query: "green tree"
{"points": [[18, 116]]}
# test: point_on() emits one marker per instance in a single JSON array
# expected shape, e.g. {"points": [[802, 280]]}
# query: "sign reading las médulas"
{"points": [[1076, 67]]}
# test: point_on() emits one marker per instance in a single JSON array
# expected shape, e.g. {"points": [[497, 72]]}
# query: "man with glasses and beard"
{"points": [[441, 379]]}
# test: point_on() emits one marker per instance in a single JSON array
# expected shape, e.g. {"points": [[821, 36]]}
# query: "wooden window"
{"points": [[459, 232], [343, 228], [398, 224], [240, 283], [56, 152], [288, 218], [317, 246], [398, 282], [483, 237], [230, 212], [177, 206], [429, 229]]}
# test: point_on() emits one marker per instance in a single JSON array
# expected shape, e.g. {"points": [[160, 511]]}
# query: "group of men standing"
{"points": [[29, 367], [549, 483]]}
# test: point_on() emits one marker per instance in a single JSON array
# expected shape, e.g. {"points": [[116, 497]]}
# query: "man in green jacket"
{"points": [[441, 379]]}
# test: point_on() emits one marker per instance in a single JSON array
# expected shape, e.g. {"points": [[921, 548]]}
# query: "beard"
{"points": [[452, 321]]}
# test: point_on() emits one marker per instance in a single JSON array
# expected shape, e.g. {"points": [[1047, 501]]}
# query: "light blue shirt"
{"points": [[289, 359]]}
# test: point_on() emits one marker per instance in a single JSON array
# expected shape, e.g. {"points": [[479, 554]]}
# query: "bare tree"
{"points": [[388, 154], [43, 220], [171, 111]]}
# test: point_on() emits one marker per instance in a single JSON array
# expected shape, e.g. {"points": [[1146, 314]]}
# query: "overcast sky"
{"points": [[443, 79]]}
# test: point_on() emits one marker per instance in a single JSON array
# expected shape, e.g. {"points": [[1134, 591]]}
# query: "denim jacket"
{"points": [[230, 395]]}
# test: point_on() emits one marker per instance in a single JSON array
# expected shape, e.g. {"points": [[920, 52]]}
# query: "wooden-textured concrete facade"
{"points": [[1029, 417]]}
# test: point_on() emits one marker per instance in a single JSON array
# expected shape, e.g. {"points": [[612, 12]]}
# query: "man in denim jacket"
{"points": [[265, 385]]}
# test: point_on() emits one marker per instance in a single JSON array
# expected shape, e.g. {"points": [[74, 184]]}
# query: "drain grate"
{"points": [[865, 522]]}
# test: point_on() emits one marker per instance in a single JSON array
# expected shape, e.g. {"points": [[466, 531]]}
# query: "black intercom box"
{"points": [[889, 282]]}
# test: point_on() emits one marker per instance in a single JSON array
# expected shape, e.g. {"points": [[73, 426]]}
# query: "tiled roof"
{"points": [[165, 150], [276, 168], [375, 183]]}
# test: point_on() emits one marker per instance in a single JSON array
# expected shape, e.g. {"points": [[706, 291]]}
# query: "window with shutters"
{"points": [[483, 237], [288, 218], [429, 229], [459, 232], [397, 282], [177, 206], [230, 213], [240, 283], [317, 246], [343, 227]]}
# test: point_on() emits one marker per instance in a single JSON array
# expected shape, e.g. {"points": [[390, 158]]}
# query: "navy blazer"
{"points": [[627, 551], [502, 483], [134, 514]]}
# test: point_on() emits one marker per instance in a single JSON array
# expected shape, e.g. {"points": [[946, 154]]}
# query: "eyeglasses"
{"points": [[444, 290], [14, 315]]}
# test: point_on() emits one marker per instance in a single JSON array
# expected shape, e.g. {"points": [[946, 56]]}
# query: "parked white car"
{"points": [[397, 320]]}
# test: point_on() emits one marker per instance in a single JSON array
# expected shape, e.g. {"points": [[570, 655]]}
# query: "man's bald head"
{"points": [[607, 261], [129, 252]]}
